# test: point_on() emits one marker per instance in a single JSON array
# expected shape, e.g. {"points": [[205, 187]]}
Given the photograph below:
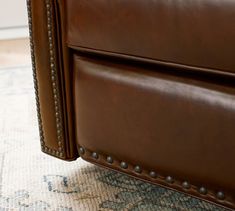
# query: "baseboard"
{"points": [[14, 33]]}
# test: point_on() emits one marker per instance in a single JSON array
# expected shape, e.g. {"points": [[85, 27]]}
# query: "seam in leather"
{"points": [[152, 61]]}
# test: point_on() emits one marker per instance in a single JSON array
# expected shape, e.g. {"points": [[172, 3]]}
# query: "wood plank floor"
{"points": [[14, 53]]}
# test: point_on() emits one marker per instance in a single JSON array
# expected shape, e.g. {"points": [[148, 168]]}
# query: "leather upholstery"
{"points": [[52, 83], [161, 122], [142, 87], [190, 33]]}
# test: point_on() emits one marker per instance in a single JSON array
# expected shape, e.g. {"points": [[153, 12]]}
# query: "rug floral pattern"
{"points": [[31, 180]]}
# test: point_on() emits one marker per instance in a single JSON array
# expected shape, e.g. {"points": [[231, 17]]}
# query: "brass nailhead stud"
{"points": [[81, 151], [186, 185], [137, 169], [169, 179], [153, 174], [220, 195], [124, 165], [95, 155], [202, 190], [109, 159]]}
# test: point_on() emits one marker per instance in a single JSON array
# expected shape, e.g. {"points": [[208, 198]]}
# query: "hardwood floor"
{"points": [[14, 53]]}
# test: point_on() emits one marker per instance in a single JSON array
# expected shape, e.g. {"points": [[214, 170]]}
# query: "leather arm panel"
{"points": [[148, 121], [49, 80]]}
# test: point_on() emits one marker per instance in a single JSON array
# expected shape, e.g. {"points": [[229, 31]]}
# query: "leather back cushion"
{"points": [[192, 33]]}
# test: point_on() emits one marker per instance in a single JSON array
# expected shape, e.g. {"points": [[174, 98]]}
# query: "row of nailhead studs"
{"points": [[35, 74], [58, 116], [59, 152], [186, 185]]}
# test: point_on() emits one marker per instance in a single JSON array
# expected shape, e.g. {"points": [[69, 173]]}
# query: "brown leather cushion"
{"points": [[169, 124], [200, 34]]}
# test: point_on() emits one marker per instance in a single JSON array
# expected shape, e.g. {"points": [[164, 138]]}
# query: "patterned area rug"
{"points": [[31, 180]]}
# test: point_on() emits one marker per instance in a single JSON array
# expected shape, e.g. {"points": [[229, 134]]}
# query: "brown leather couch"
{"points": [[143, 87]]}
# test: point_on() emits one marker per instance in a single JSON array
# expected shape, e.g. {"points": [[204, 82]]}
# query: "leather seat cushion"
{"points": [[191, 34]]}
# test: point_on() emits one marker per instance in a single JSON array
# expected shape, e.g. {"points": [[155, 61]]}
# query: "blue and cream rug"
{"points": [[30, 180]]}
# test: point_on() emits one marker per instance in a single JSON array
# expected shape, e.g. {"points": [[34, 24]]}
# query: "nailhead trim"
{"points": [[202, 190], [81, 151], [41, 134], [54, 81], [220, 195], [169, 179], [95, 155], [137, 169], [109, 159], [152, 174], [186, 185], [124, 165]]}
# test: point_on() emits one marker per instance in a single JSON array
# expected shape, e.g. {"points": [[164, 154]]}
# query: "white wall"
{"points": [[13, 18]]}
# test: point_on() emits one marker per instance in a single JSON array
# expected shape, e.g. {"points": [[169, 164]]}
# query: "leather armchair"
{"points": [[146, 88]]}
